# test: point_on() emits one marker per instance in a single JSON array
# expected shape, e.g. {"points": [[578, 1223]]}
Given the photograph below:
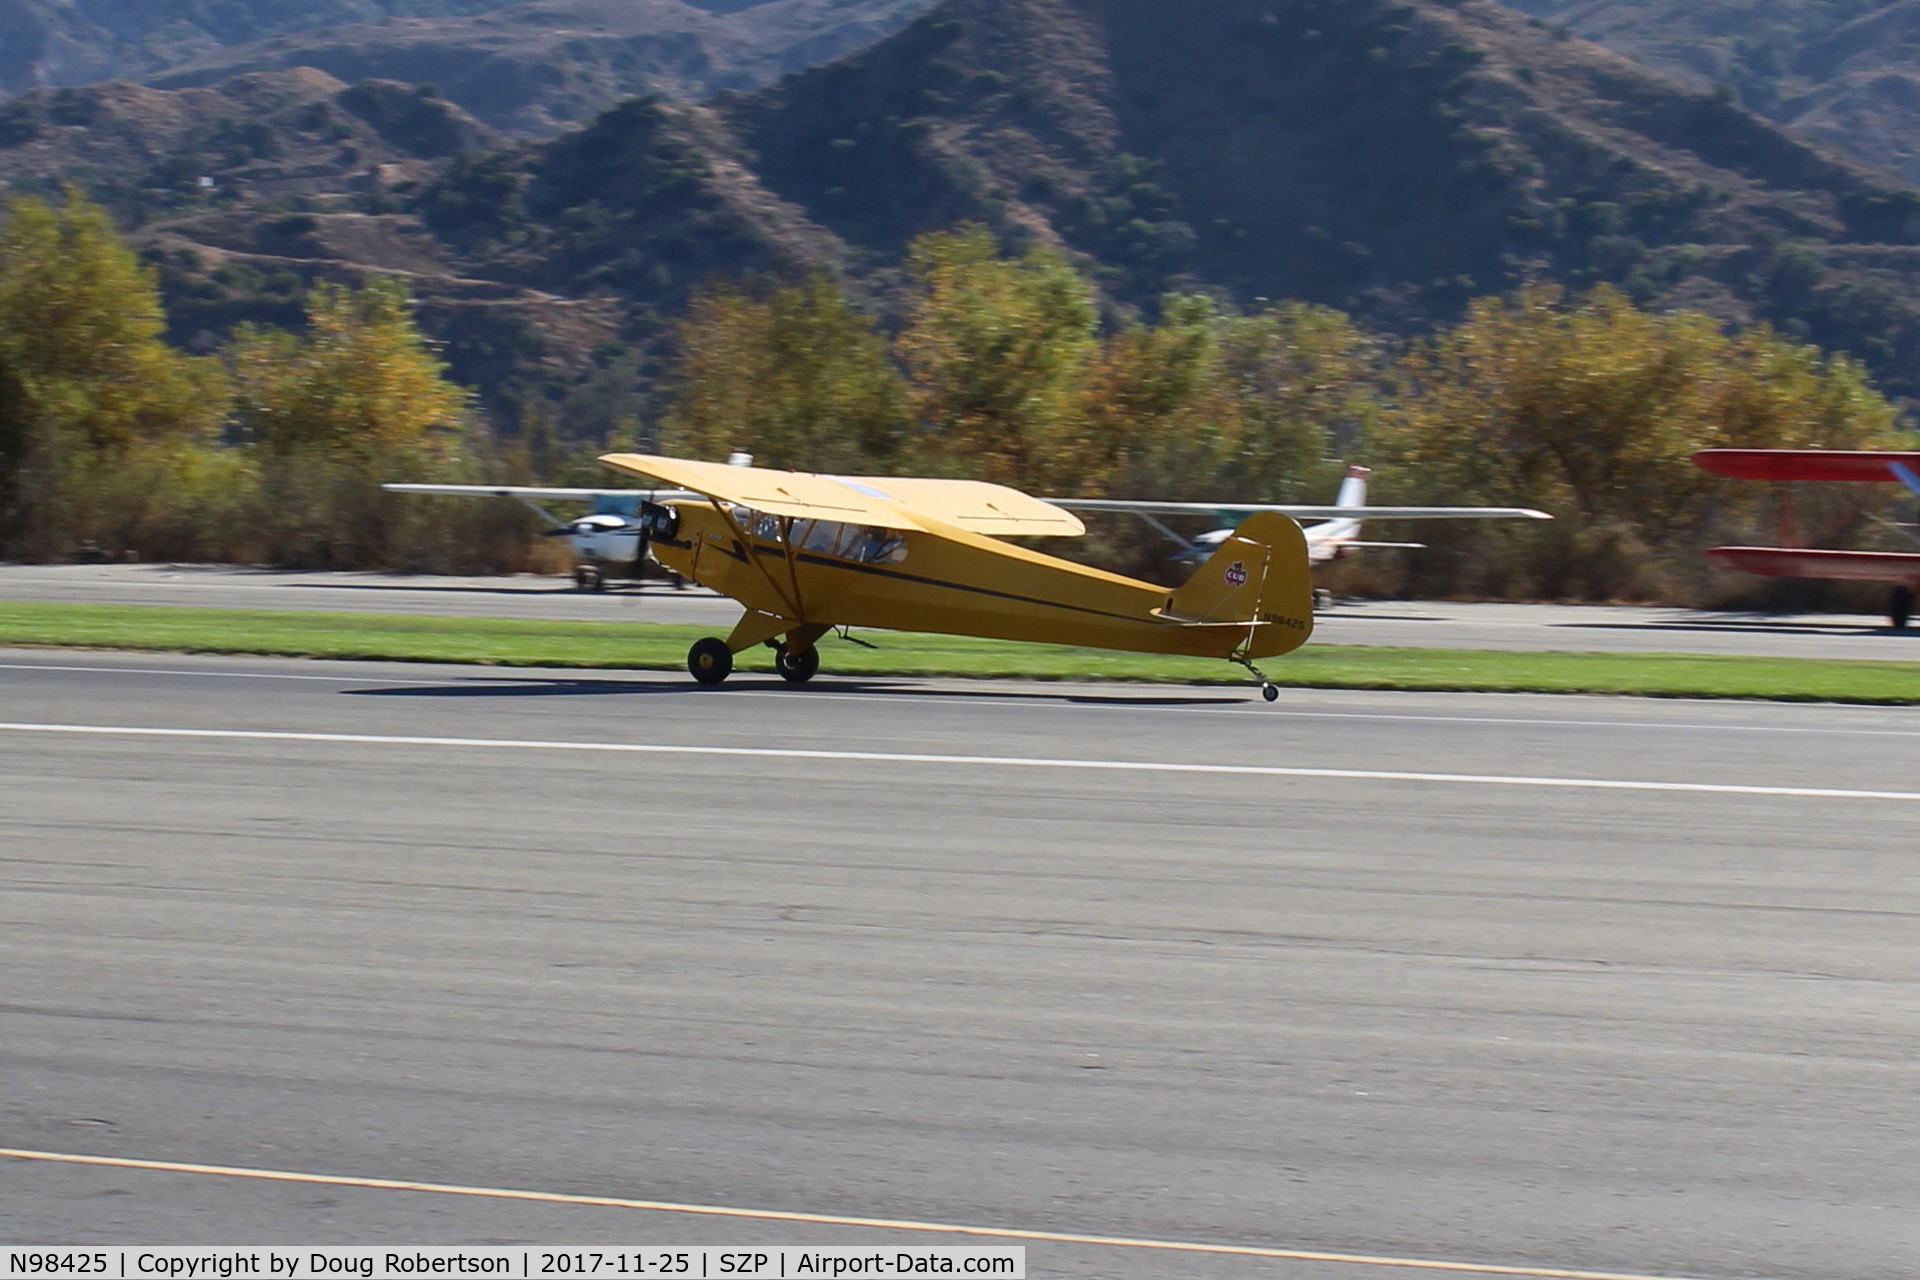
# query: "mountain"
{"points": [[1390, 157], [1844, 72], [530, 66]]}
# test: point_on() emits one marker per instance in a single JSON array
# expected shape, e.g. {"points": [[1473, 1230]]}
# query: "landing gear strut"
{"points": [[1268, 689]]}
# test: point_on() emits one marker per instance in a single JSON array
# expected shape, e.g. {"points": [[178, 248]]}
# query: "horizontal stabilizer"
{"points": [[1179, 621], [1806, 464], [1804, 562]]}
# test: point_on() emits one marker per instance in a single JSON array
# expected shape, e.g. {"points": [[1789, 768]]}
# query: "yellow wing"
{"points": [[780, 493], [889, 502], [974, 505]]}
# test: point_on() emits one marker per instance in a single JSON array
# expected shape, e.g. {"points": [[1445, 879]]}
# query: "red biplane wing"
{"points": [[1806, 464], [1799, 562]]}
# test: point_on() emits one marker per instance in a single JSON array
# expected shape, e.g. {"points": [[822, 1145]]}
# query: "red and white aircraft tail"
{"points": [[1337, 535]]}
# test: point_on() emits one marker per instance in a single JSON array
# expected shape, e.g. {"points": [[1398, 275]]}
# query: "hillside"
{"points": [[529, 66], [1389, 157], [1844, 72], [244, 191]]}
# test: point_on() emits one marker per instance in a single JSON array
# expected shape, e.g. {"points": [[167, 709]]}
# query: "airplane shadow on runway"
{"points": [[556, 687], [1741, 626], [626, 589]]}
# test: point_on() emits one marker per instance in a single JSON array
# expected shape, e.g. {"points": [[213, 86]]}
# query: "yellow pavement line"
{"points": [[819, 1219]]}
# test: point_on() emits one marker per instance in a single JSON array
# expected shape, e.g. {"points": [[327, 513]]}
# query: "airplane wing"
{"points": [[781, 493], [974, 505], [1298, 511], [888, 502], [528, 491], [1809, 464], [1803, 562]]}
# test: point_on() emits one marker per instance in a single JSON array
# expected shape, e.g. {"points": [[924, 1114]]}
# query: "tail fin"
{"points": [[1353, 489], [1258, 572]]}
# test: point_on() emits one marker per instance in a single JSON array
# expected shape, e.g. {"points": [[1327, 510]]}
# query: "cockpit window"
{"points": [[863, 544], [860, 543]]}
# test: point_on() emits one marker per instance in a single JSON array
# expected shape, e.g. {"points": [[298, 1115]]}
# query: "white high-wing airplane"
{"points": [[611, 542], [608, 542], [1335, 537]]}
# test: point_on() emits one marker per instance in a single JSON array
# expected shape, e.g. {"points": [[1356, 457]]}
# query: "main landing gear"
{"points": [[1900, 606], [711, 662], [797, 668]]}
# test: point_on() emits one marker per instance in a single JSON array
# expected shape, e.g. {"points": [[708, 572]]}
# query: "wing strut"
{"points": [[789, 594]]}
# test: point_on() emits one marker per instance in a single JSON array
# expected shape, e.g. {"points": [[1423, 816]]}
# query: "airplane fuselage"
{"points": [[944, 579]]}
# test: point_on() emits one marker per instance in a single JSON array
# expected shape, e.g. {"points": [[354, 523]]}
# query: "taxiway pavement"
{"points": [[1590, 629], [1554, 984]]}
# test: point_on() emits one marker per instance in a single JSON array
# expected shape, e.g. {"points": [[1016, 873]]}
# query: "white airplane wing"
{"points": [[1299, 511], [529, 491]]}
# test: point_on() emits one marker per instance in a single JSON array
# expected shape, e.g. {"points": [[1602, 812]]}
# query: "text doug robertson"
{"points": [[226, 1266]]}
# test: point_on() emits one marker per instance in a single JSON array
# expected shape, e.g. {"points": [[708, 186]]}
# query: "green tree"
{"points": [[791, 373], [1305, 381], [996, 351], [1589, 407], [330, 413], [104, 429]]}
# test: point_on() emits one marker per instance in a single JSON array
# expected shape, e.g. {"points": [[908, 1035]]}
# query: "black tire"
{"points": [[588, 578], [1900, 606], [710, 661], [1322, 599], [1270, 692], [799, 668]]}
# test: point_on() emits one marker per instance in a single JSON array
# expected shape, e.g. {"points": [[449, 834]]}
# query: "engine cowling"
{"points": [[658, 522]]}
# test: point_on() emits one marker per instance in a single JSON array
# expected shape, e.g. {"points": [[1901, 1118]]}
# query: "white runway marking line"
{"points": [[1005, 762], [818, 1219], [1020, 700]]}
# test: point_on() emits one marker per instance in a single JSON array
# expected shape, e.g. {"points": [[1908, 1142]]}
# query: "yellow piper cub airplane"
{"points": [[807, 554]]}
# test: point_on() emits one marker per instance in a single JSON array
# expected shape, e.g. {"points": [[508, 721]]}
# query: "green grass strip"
{"points": [[507, 642]]}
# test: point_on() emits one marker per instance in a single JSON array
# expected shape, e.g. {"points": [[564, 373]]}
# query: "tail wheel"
{"points": [[797, 668], [710, 661], [1900, 606]]}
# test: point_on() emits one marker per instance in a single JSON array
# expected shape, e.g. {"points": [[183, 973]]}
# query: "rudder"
{"points": [[1258, 572]]}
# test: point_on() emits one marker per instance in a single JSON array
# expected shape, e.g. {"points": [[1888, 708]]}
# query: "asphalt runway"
{"points": [[1561, 985], [1591, 629]]}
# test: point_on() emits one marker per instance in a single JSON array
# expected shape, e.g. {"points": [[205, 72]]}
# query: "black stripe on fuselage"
{"points": [[881, 571]]}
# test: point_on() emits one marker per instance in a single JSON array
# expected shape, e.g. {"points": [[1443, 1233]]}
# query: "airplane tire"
{"points": [[799, 668], [588, 578], [1900, 606], [710, 661]]}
